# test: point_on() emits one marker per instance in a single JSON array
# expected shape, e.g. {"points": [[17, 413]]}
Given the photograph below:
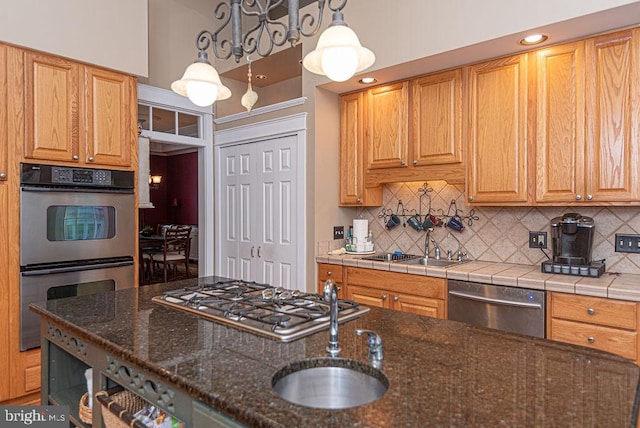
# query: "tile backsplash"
{"points": [[500, 234]]}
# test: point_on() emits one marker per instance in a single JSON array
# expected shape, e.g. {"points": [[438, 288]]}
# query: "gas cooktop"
{"points": [[269, 311]]}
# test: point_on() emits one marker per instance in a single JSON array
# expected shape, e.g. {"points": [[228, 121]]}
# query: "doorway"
{"points": [[179, 166]]}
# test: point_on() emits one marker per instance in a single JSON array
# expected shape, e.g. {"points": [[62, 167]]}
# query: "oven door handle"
{"points": [[75, 189], [495, 301], [51, 271]]}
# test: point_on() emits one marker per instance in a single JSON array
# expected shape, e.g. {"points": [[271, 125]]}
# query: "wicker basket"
{"points": [[84, 410], [118, 408]]}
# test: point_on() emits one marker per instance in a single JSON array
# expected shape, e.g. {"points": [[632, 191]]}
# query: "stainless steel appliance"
{"points": [[572, 241], [77, 236], [269, 311], [516, 310]]}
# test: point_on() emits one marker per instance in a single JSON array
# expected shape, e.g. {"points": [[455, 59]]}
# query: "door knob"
{"points": [[252, 252], [259, 255]]}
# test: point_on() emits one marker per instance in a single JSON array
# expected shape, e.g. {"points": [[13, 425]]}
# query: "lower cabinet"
{"points": [[402, 292], [606, 324], [328, 271]]}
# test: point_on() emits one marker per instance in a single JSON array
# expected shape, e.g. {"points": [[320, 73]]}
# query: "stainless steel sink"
{"points": [[433, 262], [390, 257], [330, 383]]}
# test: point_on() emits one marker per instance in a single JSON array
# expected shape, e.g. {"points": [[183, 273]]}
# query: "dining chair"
{"points": [[175, 251]]}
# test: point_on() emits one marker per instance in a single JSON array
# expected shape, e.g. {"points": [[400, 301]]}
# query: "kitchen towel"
{"points": [[360, 230]]}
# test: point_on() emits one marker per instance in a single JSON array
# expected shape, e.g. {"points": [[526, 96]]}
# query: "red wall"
{"points": [[180, 182]]}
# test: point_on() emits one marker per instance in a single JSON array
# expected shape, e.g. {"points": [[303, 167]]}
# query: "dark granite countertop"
{"points": [[441, 373]]}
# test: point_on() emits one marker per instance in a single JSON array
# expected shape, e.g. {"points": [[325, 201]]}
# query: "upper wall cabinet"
{"points": [[387, 126], [76, 113], [436, 119], [587, 122], [497, 131], [352, 155]]}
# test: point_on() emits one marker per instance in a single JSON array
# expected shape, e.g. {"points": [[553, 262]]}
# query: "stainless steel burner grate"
{"points": [[266, 310]]}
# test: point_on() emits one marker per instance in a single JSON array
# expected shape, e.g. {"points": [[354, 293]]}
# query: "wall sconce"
{"points": [[154, 181]]}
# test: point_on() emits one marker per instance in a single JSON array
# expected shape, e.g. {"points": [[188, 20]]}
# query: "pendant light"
{"points": [[250, 97], [201, 83], [339, 54]]}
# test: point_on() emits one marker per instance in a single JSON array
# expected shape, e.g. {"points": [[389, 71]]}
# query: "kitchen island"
{"points": [[441, 373]]}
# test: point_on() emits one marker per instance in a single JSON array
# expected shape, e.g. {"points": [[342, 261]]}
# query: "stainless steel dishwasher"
{"points": [[512, 309]]}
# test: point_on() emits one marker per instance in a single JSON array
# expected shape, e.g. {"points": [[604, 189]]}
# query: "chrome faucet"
{"points": [[426, 242], [460, 254], [374, 342], [437, 249], [331, 295]]}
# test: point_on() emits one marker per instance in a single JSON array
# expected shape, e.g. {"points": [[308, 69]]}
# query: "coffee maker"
{"points": [[572, 241], [572, 238]]}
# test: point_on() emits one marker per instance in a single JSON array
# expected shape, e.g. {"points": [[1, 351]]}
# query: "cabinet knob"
{"points": [[384, 297], [75, 157], [470, 198], [591, 339], [329, 273], [358, 200], [578, 197], [396, 298], [415, 162], [591, 311], [403, 162], [589, 197], [3, 175], [90, 159]]}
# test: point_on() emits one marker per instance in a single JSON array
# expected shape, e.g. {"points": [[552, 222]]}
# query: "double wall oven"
{"points": [[77, 236]]}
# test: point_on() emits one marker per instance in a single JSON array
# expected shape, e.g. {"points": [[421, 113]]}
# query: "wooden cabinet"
{"points": [[416, 137], [606, 324], [352, 155], [402, 292], [588, 120], [497, 131], [77, 113], [387, 116], [328, 271], [436, 119], [5, 240]]}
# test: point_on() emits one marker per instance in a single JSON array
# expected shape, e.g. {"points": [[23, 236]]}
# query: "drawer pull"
{"points": [[328, 273], [384, 297], [591, 339], [591, 311], [396, 298]]}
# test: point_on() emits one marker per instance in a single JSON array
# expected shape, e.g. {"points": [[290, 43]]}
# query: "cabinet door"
{"points": [[613, 116], [560, 123], [352, 188], [387, 126], [110, 112], [418, 305], [497, 131], [5, 238], [368, 296], [328, 271], [51, 110], [436, 119]]}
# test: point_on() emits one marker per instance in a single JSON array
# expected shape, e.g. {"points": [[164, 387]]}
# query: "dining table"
{"points": [[148, 245]]}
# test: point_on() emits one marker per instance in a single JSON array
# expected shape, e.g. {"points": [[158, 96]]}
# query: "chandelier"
{"points": [[338, 54]]}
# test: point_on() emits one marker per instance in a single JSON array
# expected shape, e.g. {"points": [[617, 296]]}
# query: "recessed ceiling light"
{"points": [[260, 76], [533, 39], [367, 80]]}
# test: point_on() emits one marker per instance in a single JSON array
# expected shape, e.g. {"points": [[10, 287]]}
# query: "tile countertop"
{"points": [[441, 373], [610, 285]]}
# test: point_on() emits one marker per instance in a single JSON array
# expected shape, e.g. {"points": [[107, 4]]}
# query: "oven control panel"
{"points": [[61, 175], [64, 176]]}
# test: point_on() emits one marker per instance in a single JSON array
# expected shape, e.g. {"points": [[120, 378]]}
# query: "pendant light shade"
{"points": [[339, 54], [201, 83]]}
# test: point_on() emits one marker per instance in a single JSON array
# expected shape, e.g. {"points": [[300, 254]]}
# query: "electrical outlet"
{"points": [[537, 239], [626, 243], [338, 232]]}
